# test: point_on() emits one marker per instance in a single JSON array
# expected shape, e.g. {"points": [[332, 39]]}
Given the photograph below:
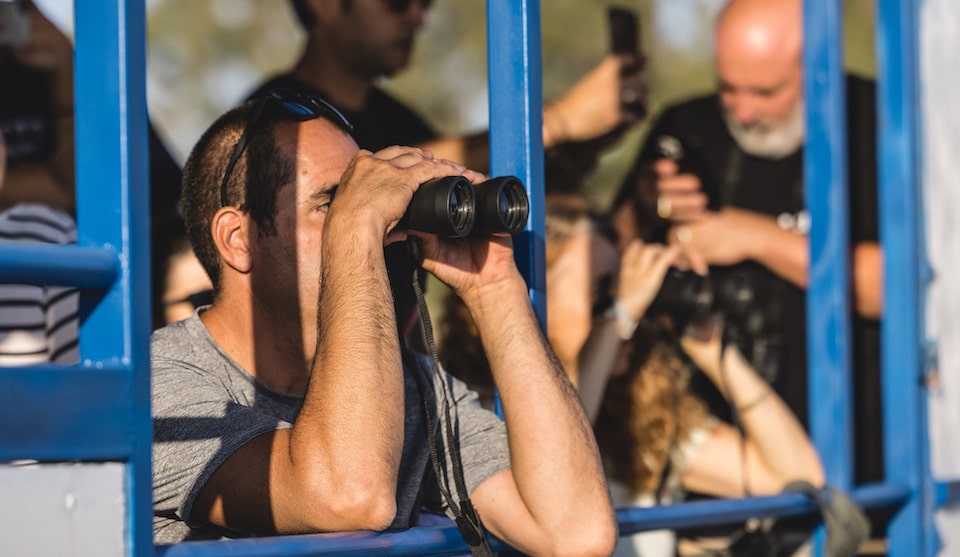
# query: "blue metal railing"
{"points": [[906, 447], [102, 407]]}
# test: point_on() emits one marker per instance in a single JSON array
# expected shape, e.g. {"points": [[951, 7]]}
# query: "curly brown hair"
{"points": [[647, 412]]}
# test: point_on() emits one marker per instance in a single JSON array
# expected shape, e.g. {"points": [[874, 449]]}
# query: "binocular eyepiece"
{"points": [[455, 208]]}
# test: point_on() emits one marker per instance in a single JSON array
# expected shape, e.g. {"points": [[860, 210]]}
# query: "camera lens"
{"points": [[502, 206]]}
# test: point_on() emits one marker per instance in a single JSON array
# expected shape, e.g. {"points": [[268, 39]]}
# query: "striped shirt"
{"points": [[38, 324]]}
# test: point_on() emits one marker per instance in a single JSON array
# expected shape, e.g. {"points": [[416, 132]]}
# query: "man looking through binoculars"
{"points": [[289, 405]]}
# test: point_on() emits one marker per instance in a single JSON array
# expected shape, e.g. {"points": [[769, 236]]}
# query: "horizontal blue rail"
{"points": [[60, 265], [52, 413], [440, 541], [947, 494]]}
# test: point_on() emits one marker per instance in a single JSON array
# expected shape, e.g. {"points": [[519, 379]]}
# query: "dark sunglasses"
{"points": [[401, 6], [295, 105], [197, 299]]}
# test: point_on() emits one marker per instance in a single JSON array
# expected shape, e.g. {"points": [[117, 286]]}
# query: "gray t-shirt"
{"points": [[205, 407]]}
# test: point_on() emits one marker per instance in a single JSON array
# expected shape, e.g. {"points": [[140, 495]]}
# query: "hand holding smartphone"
{"points": [[624, 29]]}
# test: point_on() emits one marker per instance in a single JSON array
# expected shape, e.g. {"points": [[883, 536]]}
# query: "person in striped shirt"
{"points": [[38, 324]]}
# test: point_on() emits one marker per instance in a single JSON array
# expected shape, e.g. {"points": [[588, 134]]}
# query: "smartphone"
{"points": [[14, 23], [624, 30], [624, 27]]}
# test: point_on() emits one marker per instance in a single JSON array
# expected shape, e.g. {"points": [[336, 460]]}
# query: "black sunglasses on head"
{"points": [[197, 299], [401, 6], [297, 106]]}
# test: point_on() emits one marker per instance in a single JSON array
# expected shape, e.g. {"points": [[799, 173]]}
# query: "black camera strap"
{"points": [[466, 517]]}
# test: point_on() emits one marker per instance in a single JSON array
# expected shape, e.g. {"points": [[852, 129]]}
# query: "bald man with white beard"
{"points": [[723, 175]]}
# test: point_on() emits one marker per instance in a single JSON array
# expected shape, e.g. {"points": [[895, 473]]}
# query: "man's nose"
{"points": [[743, 112]]}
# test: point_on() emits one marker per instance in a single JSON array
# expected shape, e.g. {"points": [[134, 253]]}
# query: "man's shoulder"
{"points": [[184, 341], [697, 117], [381, 99], [383, 104], [860, 84]]}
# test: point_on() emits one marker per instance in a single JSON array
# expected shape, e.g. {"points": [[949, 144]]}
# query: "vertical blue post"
{"points": [[906, 452], [113, 212], [516, 124], [825, 175]]}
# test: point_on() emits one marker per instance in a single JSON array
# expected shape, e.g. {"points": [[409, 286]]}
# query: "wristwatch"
{"points": [[626, 325]]}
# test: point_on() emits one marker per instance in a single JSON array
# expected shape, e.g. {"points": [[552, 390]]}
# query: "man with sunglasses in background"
{"points": [[290, 406], [352, 43]]}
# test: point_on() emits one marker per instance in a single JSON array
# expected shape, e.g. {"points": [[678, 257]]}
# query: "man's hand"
{"points": [[724, 237], [676, 197], [379, 186], [472, 266], [595, 105], [642, 269], [731, 235]]}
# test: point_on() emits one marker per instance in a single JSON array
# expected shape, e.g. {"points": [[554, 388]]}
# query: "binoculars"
{"points": [[455, 208]]}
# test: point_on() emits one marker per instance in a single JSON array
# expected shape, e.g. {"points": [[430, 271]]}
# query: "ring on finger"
{"points": [[683, 234], [664, 207]]}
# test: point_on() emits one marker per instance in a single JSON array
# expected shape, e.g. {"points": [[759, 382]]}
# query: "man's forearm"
{"points": [[554, 457], [784, 252], [353, 412]]}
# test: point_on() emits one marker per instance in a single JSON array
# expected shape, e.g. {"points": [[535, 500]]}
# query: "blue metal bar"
{"points": [[61, 265], [425, 541], [947, 494], [516, 124], [825, 175], [113, 210], [906, 452], [438, 541], [65, 413], [730, 511]]}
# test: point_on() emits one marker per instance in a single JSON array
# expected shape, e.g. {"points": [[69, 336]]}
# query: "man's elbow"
{"points": [[358, 507], [594, 538]]}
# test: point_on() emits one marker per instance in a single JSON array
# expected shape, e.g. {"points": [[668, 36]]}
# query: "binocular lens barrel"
{"points": [[453, 207], [502, 206], [444, 206]]}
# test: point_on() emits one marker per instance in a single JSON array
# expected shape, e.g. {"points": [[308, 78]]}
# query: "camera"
{"points": [[455, 208], [689, 159], [687, 297]]}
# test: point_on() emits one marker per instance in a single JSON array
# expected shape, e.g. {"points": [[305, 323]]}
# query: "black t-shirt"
{"points": [[772, 328], [383, 122]]}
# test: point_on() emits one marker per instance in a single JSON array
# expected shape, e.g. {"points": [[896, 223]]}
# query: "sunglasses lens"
{"points": [[401, 6], [200, 299], [298, 110]]}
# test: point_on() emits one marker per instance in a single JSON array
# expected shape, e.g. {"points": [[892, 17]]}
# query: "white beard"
{"points": [[768, 139]]}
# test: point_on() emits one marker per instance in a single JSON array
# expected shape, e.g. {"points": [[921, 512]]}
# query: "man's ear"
{"points": [[231, 229]]}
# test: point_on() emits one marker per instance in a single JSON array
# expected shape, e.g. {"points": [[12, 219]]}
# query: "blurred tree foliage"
{"points": [[206, 55]]}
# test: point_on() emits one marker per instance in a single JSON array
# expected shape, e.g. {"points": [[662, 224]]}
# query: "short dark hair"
{"points": [[260, 173], [306, 17]]}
